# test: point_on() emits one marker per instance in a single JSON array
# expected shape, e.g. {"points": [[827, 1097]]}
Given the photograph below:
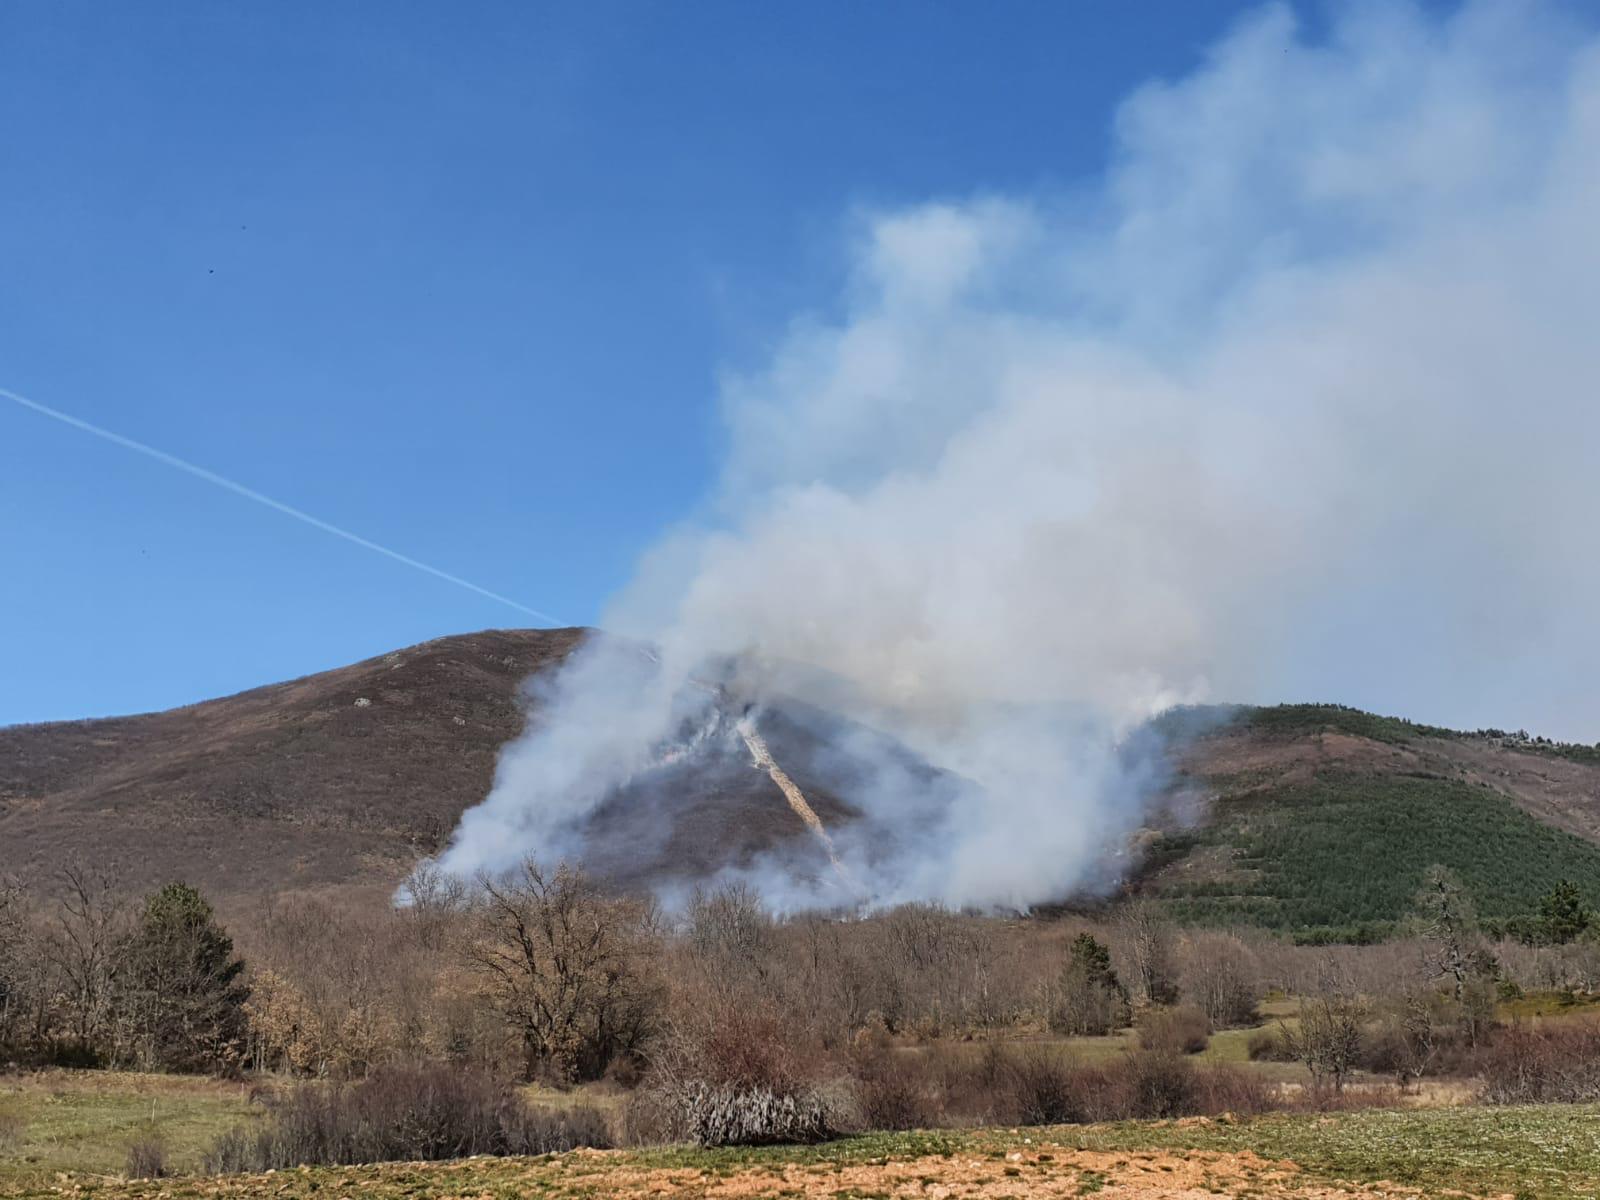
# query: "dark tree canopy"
{"points": [[1563, 916], [1093, 958], [185, 994]]}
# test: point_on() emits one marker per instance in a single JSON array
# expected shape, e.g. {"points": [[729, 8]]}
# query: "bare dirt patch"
{"points": [[1024, 1169], [1028, 1170]]}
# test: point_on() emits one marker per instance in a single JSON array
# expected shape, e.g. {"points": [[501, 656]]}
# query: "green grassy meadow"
{"points": [[1533, 1153], [84, 1121]]}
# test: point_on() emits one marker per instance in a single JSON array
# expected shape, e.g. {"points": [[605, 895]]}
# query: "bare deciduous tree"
{"points": [[1419, 1042], [1148, 937], [82, 949], [431, 898], [1221, 976], [560, 959], [18, 982], [1327, 1038], [731, 938], [1448, 926]]}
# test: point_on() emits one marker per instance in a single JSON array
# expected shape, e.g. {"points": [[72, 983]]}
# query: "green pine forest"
{"points": [[1341, 859]]}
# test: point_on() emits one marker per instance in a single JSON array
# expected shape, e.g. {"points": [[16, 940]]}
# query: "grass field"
{"points": [[84, 1121], [1542, 1153], [68, 1132]]}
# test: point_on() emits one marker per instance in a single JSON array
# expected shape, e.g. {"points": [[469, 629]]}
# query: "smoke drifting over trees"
{"points": [[1292, 403]]}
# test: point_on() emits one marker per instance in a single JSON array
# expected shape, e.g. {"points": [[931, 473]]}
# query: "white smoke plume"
{"points": [[1298, 401]]}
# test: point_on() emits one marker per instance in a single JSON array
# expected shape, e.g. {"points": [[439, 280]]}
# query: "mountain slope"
{"points": [[1323, 820], [1309, 816], [340, 779]]}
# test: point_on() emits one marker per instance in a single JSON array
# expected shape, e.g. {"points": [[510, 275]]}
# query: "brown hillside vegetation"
{"points": [[1561, 792], [343, 778], [340, 781]]}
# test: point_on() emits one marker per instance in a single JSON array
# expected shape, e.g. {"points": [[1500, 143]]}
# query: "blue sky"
{"points": [[460, 278]]}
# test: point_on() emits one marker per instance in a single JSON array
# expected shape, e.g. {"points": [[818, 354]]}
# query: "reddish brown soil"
{"points": [[1034, 1169]]}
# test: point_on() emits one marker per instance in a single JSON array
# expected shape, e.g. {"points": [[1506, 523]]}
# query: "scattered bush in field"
{"points": [[12, 1127], [1349, 1099], [1421, 1033], [738, 1073], [1147, 1085], [1045, 1087], [742, 1043], [963, 1088], [534, 1129], [430, 1112], [1265, 1045], [893, 1093], [1153, 1085], [234, 1152], [725, 1115], [1160, 1083], [1181, 1030], [1555, 1063], [1386, 1050], [992, 1064], [1223, 1088], [1041, 1086], [147, 1158]]}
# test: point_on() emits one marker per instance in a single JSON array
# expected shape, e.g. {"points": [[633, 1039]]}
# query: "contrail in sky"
{"points": [[239, 489]]}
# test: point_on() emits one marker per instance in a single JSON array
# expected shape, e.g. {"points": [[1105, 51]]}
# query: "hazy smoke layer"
{"points": [[1297, 402]]}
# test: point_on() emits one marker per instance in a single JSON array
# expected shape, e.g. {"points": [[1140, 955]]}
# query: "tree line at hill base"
{"points": [[725, 1024]]}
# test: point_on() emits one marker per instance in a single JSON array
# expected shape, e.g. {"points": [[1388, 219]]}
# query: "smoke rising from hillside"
{"points": [[1295, 403]]}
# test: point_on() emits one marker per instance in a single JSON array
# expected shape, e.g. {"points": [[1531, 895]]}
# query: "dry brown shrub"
{"points": [[737, 1072], [147, 1157], [894, 1091], [1266, 1045], [12, 1129], [427, 1112], [1046, 1088], [1224, 1088], [1556, 1062], [1181, 1030], [1042, 1086]]}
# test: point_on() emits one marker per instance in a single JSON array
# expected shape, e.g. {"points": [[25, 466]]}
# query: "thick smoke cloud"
{"points": [[1297, 402]]}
